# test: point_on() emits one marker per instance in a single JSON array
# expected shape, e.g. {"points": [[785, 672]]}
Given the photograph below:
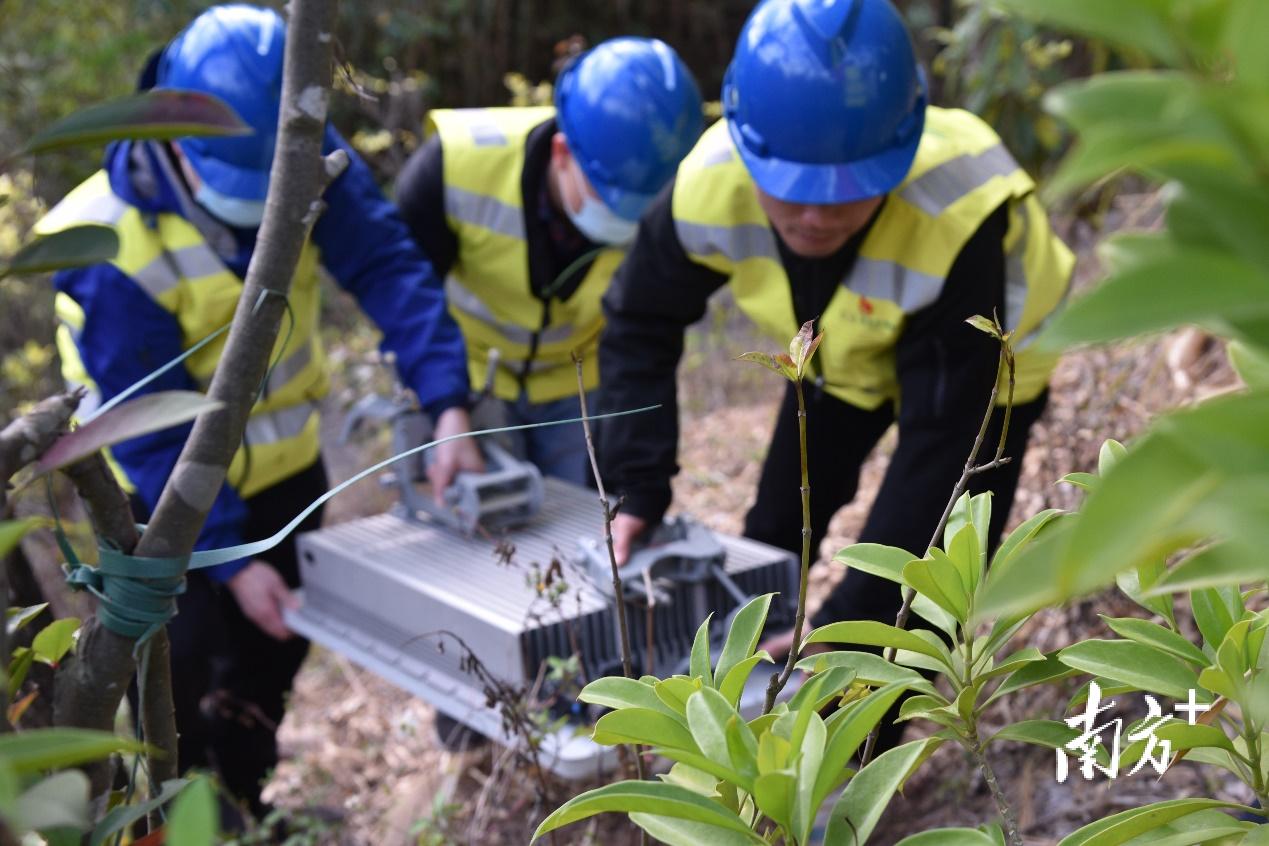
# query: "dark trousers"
{"points": [[839, 438], [230, 680]]}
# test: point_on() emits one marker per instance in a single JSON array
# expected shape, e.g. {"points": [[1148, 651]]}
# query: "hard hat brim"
{"points": [[231, 180], [629, 205], [822, 184]]}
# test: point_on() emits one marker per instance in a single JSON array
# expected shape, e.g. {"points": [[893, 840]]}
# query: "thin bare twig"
{"points": [[609, 513]]}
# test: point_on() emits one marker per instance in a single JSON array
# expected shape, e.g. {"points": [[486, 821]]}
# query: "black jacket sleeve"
{"points": [[657, 292], [946, 369], [421, 200]]}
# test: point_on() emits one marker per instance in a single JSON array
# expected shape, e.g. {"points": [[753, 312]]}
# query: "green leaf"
{"points": [[19, 667], [1039, 672], [969, 511], [1185, 736], [678, 832], [1217, 565], [734, 684], [48, 749], [780, 363], [1251, 363], [940, 580], [122, 816], [77, 246], [1140, 585], [1215, 612], [1021, 536], [968, 555], [1086, 481], [645, 797], [674, 692], [617, 692], [828, 686], [699, 661], [1144, 25], [159, 114], [775, 792], [874, 558], [1154, 635], [709, 717], [59, 801], [949, 837], [12, 531], [1111, 453], [803, 346], [1010, 663], [742, 639], [1048, 733], [194, 820], [872, 633], [19, 617], [869, 669], [1132, 663], [55, 640], [856, 813], [1121, 827], [145, 414], [848, 733], [641, 725], [984, 325], [809, 757]]}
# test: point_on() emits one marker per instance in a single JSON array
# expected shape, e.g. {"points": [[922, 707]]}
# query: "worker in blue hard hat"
{"points": [[186, 214], [529, 211], [831, 191]]}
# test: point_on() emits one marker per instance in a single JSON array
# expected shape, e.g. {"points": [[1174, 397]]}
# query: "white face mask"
{"points": [[245, 214], [595, 220]]}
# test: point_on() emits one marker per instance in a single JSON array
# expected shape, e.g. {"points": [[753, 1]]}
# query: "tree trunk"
{"points": [[91, 686]]}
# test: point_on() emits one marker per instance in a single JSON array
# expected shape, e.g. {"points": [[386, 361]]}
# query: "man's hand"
{"points": [[262, 595], [626, 529], [455, 456]]}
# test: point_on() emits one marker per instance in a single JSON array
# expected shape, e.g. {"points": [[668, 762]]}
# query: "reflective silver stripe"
{"points": [[1016, 274], [484, 211], [720, 152], [167, 270], [737, 243], [106, 209], [463, 299], [935, 190], [270, 427], [888, 280], [484, 130]]}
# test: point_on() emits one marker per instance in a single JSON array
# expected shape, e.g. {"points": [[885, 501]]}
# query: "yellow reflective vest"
{"points": [[172, 262], [488, 289], [962, 173]]}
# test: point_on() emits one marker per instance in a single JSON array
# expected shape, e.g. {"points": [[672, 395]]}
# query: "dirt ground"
{"points": [[356, 744]]}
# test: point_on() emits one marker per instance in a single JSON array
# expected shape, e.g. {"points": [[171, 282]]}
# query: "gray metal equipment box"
{"points": [[383, 591]]}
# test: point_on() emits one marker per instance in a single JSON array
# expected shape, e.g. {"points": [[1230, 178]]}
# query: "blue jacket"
{"points": [[363, 244]]}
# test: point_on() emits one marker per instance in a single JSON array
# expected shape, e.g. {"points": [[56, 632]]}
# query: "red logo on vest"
{"points": [[864, 305]]}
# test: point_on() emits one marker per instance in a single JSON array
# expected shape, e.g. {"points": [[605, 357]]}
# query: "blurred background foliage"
{"points": [[402, 58]]}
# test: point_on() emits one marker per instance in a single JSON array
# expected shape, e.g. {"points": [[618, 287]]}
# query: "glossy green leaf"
{"points": [[158, 114], [139, 416], [1140, 584], [47, 749], [77, 246], [618, 692], [1119, 828], [969, 510], [699, 660], [810, 755], [194, 820], [641, 725], [871, 633], [776, 792], [1132, 663], [674, 692], [19, 667], [1085, 481], [983, 325], [679, 832], [874, 558], [848, 733], [743, 636], [1217, 565], [1215, 612], [1184, 736], [828, 686], [940, 580], [1154, 635], [1020, 537], [856, 813], [708, 717], [1015, 661], [1051, 734], [869, 668], [1111, 453], [734, 684], [55, 640], [646, 797], [1251, 363]]}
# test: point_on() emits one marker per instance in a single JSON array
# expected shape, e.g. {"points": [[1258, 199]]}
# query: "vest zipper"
{"points": [[534, 342]]}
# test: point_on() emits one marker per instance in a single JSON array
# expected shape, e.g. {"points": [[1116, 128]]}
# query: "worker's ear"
{"points": [[561, 155]]}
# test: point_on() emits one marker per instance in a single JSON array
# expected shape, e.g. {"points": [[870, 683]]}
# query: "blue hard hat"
{"points": [[631, 111], [824, 99], [234, 52]]}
